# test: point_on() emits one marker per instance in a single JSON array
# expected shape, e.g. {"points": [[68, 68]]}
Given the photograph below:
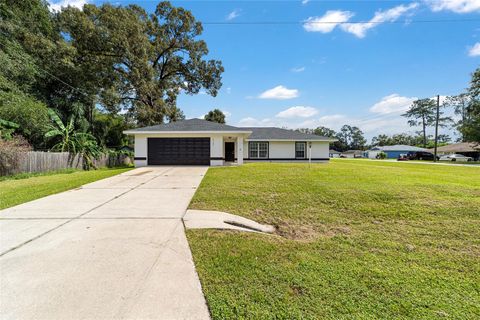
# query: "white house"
{"points": [[201, 142], [352, 154], [334, 153]]}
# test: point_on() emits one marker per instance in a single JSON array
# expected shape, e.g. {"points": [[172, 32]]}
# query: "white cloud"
{"points": [[298, 69], [232, 15], [297, 112], [229, 90], [279, 93], [390, 15], [457, 6], [58, 5], [253, 122], [380, 124], [393, 103], [332, 121], [305, 1], [475, 50], [327, 22]]}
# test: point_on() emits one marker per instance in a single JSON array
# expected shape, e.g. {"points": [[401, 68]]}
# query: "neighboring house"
{"points": [[201, 142], [392, 152], [469, 149], [333, 153], [352, 154]]}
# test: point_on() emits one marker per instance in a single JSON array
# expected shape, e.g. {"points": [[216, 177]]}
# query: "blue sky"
{"points": [[304, 72]]}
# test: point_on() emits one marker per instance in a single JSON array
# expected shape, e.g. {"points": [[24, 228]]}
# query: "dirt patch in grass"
{"points": [[309, 232]]}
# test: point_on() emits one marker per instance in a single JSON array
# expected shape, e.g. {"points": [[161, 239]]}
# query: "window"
{"points": [[258, 150], [300, 148]]}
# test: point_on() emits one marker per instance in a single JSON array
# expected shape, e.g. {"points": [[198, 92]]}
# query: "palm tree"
{"points": [[81, 143], [65, 133]]}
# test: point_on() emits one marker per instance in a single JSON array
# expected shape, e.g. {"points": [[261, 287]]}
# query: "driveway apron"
{"points": [[112, 249]]}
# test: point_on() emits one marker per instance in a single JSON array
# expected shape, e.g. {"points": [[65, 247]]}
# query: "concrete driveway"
{"points": [[113, 249]]}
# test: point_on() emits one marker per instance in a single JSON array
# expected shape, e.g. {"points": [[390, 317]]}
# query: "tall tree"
{"points": [[471, 131], [215, 115], [350, 138], [401, 138], [325, 132], [381, 140], [142, 61], [421, 113], [460, 104]]}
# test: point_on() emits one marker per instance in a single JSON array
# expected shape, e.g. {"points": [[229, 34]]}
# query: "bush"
{"points": [[119, 158], [381, 155], [12, 152], [30, 114]]}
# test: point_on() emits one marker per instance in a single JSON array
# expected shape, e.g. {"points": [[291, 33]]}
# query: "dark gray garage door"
{"points": [[186, 151]]}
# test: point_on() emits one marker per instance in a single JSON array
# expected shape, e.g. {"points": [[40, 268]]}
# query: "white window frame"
{"points": [[301, 143], [256, 147]]}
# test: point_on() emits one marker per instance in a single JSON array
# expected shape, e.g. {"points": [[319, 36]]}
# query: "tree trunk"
{"points": [[424, 132]]}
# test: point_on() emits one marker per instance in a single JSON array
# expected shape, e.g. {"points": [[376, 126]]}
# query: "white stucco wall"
{"points": [[217, 145], [140, 150], [286, 149], [282, 149], [320, 149]]}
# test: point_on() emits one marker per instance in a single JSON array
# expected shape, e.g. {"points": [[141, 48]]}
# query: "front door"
{"points": [[230, 151]]}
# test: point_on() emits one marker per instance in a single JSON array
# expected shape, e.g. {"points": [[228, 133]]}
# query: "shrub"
{"points": [[381, 155], [12, 152], [24, 110]]}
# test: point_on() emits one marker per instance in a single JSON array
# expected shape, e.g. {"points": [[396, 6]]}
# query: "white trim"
{"points": [[294, 140], [188, 132]]}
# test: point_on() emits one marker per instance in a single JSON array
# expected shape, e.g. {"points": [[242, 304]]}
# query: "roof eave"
{"points": [[183, 132], [306, 140]]}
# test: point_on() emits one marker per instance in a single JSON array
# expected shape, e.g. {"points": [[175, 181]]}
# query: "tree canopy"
{"points": [[142, 61], [471, 128], [108, 67], [215, 115]]}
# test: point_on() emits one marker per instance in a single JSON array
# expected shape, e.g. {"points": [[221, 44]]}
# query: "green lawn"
{"points": [[356, 240], [20, 189]]}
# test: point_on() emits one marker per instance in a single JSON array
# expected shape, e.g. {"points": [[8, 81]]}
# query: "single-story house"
{"points": [[352, 154], [334, 153], [469, 149], [392, 152], [201, 142]]}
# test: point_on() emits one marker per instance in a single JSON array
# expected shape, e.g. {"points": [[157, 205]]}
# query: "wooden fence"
{"points": [[39, 161]]}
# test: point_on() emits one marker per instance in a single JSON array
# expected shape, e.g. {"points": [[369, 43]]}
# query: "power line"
{"points": [[287, 1], [54, 76], [336, 22]]}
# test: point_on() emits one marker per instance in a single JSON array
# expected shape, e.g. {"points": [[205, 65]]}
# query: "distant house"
{"points": [[352, 154], [333, 153], [392, 152], [469, 149]]}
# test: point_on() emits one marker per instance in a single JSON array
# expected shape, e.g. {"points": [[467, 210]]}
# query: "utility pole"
{"points": [[436, 129]]}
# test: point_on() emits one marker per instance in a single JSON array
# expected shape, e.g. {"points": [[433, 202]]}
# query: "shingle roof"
{"points": [[190, 125], [272, 133], [459, 147], [353, 151], [399, 147], [258, 133]]}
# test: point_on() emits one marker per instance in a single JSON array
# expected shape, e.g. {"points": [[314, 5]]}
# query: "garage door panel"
{"points": [[181, 151]]}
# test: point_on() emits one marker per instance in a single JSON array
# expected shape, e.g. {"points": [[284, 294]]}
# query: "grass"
{"points": [[26, 175], [26, 187], [356, 240]]}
